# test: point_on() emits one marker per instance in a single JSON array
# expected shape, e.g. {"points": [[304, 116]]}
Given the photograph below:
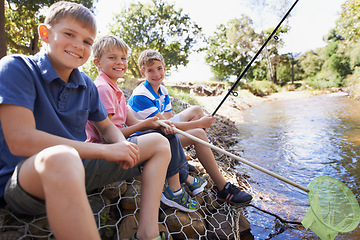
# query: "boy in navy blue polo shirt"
{"points": [[45, 165]]}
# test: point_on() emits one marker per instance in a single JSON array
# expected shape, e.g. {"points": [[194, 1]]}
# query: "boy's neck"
{"points": [[112, 79], [63, 73], [156, 89]]}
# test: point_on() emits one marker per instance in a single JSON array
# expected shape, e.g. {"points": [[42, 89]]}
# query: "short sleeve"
{"points": [[17, 85]]}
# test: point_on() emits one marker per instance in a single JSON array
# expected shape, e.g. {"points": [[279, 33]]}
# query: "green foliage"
{"points": [[262, 88], [324, 80], [284, 73], [348, 23], [340, 65], [183, 95], [331, 49], [354, 83], [21, 30], [259, 73], [22, 18], [233, 45], [90, 69], [157, 26], [221, 59], [311, 63], [230, 48], [353, 52]]}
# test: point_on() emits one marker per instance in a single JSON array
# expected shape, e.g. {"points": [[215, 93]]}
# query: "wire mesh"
{"points": [[116, 209]]}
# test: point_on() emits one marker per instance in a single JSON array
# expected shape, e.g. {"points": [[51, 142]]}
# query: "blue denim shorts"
{"points": [[178, 162], [98, 173]]}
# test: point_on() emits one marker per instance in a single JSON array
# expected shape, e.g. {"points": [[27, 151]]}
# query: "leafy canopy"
{"points": [[157, 26], [21, 20]]}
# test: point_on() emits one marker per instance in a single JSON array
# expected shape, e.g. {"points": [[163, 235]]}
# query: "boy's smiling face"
{"points": [[69, 44], [113, 63], [154, 73]]}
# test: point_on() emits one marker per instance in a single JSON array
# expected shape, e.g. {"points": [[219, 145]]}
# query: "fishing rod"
{"points": [[235, 157], [255, 56]]}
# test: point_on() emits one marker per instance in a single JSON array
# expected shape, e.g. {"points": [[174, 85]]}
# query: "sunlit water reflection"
{"points": [[299, 139]]}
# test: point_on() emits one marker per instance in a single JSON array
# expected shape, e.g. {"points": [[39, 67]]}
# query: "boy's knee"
{"points": [[162, 145], [200, 133], [198, 110], [61, 160]]}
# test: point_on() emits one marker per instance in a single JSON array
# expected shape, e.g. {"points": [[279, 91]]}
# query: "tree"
{"points": [[311, 62], [271, 51], [339, 64], [19, 21], [158, 26], [2, 29], [231, 47], [348, 23]]}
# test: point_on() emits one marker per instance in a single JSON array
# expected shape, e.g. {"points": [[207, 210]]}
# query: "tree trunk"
{"points": [[292, 72], [2, 29]]}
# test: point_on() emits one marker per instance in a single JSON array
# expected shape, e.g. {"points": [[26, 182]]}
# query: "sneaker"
{"points": [[162, 236], [182, 202], [198, 186], [232, 194]]}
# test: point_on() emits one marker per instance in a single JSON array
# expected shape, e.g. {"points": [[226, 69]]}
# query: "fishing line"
{"points": [[255, 56]]}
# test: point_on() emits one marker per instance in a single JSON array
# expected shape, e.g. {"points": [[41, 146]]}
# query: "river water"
{"points": [[299, 139]]}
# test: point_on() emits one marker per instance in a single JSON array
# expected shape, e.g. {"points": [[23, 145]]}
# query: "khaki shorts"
{"points": [[98, 173]]}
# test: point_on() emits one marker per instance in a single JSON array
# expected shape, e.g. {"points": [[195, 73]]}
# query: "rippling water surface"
{"points": [[299, 139]]}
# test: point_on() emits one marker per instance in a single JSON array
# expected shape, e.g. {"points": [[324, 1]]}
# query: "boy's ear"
{"points": [[43, 32], [142, 73], [97, 62]]}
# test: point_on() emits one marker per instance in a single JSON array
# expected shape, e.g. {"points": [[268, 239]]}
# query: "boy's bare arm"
{"points": [[204, 122], [24, 139], [134, 125]]}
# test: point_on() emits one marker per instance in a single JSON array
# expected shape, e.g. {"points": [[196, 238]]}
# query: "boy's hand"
{"points": [[207, 121], [150, 123], [124, 153], [169, 129]]}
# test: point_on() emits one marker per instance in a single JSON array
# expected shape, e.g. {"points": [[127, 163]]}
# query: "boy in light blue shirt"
{"points": [[151, 98]]}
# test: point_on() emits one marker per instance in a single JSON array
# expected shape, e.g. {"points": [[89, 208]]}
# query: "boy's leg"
{"points": [[56, 175], [225, 190], [190, 114], [155, 149], [205, 155]]}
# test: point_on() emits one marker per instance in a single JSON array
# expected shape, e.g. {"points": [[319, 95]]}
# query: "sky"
{"points": [[310, 20]]}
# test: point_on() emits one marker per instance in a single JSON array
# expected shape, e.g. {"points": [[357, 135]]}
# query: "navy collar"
{"points": [[49, 74]]}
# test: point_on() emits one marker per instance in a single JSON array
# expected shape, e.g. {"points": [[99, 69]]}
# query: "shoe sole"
{"points": [[171, 203], [235, 204], [199, 190]]}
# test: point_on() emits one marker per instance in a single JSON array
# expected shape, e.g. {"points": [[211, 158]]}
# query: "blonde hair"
{"points": [[148, 57], [107, 43], [63, 9]]}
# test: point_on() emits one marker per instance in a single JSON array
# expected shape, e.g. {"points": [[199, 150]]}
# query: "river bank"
{"points": [[233, 106]]}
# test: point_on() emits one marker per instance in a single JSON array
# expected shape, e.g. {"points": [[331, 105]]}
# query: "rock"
{"points": [[183, 225], [211, 203], [40, 227], [203, 90], [219, 226], [113, 191], [130, 200], [11, 235], [128, 227]]}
